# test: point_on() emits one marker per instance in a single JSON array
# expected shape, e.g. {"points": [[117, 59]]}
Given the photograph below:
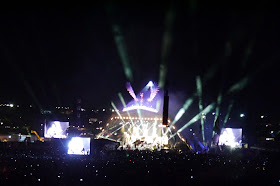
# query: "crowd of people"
{"points": [[122, 167]]}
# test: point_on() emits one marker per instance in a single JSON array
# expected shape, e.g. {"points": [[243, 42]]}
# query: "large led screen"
{"points": [[56, 129], [79, 146], [231, 137]]}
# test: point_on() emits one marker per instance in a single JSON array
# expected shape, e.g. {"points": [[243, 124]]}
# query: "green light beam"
{"points": [[185, 107], [189, 101], [228, 112], [239, 85], [119, 39], [166, 45], [139, 115], [124, 105], [194, 119], [217, 112], [199, 92], [119, 114], [119, 128]]}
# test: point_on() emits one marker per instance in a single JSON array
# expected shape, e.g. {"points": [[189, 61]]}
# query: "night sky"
{"points": [[50, 56]]}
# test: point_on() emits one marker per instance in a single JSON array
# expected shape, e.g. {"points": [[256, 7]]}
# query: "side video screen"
{"points": [[56, 129], [231, 137], [79, 146]]}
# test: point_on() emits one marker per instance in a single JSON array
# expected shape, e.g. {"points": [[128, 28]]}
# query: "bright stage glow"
{"points": [[79, 146], [150, 84], [231, 137], [141, 107], [56, 129]]}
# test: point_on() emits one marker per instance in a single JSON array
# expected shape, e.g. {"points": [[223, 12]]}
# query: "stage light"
{"points": [[228, 112], [194, 119], [119, 39], [166, 45], [182, 110], [142, 107], [217, 112], [239, 85], [150, 84]]}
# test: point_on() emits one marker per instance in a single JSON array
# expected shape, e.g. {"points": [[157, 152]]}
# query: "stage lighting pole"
{"points": [[165, 109], [165, 106]]}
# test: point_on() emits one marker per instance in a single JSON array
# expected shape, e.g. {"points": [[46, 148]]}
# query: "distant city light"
{"points": [[262, 116], [242, 115], [11, 105]]}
